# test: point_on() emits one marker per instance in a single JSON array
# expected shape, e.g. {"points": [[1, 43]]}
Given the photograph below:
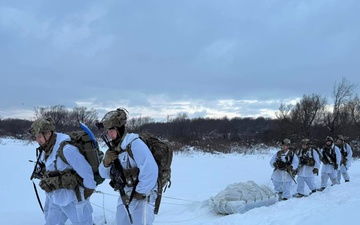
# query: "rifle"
{"points": [[119, 185], [285, 166], [38, 175], [287, 170]]}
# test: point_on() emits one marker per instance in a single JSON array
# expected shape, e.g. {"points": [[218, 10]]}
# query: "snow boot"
{"points": [[298, 195]]}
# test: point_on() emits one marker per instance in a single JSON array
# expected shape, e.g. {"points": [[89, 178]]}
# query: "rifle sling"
{"points": [[120, 169]]}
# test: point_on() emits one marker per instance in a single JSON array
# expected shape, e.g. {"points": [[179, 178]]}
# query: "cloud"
{"points": [[64, 33], [159, 58], [24, 24], [219, 52]]}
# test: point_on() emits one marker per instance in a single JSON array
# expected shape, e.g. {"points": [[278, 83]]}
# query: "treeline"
{"points": [[313, 117]]}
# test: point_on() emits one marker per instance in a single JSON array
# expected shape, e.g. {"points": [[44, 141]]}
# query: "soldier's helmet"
{"points": [[42, 125], [115, 118], [328, 138], [286, 142], [340, 137], [305, 141]]}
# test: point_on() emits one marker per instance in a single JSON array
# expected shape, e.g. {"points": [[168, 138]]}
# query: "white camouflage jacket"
{"points": [[76, 162], [307, 171], [348, 150], [329, 168], [282, 175], [143, 159]]}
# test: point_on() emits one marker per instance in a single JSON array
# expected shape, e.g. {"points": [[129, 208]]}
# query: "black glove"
{"points": [[315, 171], [88, 192], [289, 168], [110, 156], [336, 166], [275, 164]]}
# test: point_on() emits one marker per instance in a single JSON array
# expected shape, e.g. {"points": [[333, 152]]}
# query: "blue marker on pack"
{"points": [[90, 133]]}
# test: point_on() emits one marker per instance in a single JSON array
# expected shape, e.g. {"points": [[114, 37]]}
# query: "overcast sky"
{"points": [[158, 58]]}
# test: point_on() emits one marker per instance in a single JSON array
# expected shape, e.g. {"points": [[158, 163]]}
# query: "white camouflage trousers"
{"points": [[79, 213], [325, 177], [344, 172], [310, 181], [142, 212], [283, 187]]}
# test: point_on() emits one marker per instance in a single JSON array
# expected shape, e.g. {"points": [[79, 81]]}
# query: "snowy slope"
{"points": [[196, 177]]}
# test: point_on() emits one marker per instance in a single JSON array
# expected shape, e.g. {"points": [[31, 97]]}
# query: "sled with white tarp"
{"points": [[241, 197]]}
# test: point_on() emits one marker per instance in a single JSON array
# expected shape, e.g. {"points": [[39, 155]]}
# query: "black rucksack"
{"points": [[163, 155]]}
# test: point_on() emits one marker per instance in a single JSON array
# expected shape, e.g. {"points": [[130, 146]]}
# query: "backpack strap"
{"points": [[159, 181], [60, 153], [129, 151], [330, 155], [128, 148], [291, 153], [312, 149], [317, 151], [344, 149], [288, 157]]}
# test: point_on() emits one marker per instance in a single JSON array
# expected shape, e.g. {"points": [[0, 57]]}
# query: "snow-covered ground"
{"points": [[195, 178]]}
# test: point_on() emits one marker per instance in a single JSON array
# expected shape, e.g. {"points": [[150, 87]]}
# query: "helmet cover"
{"points": [[42, 125], [115, 118]]}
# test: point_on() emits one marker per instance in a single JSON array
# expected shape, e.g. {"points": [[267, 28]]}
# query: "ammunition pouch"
{"points": [[54, 180], [116, 180], [282, 165], [328, 157], [310, 162], [325, 161], [131, 176], [307, 161], [304, 161]]}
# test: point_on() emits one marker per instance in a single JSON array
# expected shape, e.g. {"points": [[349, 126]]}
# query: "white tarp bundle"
{"points": [[241, 197]]}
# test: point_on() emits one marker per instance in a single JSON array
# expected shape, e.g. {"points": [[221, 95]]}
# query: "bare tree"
{"points": [[284, 121], [58, 113], [82, 114], [66, 120], [307, 112], [180, 117], [342, 94], [354, 108], [284, 111], [134, 124]]}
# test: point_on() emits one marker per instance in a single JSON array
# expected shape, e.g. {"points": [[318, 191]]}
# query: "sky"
{"points": [[196, 177], [160, 58]]}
